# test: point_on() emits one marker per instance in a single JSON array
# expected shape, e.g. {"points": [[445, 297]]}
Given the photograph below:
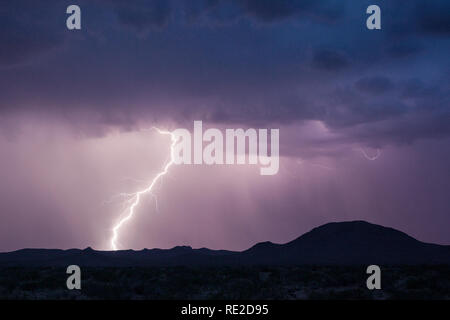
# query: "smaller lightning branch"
{"points": [[368, 157], [135, 198]]}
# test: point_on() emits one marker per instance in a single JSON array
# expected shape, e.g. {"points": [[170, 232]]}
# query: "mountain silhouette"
{"points": [[339, 243]]}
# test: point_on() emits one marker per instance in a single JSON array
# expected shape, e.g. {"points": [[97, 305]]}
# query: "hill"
{"points": [[340, 243]]}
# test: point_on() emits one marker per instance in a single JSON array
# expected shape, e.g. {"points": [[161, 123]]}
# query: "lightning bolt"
{"points": [[135, 198], [371, 158]]}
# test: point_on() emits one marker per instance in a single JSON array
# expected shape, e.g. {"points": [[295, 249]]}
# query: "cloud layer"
{"points": [[242, 62], [70, 99]]}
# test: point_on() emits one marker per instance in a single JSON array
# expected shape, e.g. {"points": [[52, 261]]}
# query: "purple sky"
{"points": [[75, 106]]}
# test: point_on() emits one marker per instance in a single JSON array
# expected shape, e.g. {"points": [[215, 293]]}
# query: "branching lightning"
{"points": [[134, 198], [371, 158]]}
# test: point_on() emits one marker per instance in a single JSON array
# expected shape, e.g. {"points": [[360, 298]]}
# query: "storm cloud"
{"points": [[74, 106]]}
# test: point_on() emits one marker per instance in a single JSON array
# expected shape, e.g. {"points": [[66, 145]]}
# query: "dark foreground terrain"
{"points": [[329, 262], [274, 282], [343, 243]]}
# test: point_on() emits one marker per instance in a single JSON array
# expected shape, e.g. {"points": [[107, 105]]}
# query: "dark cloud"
{"points": [[329, 60], [28, 30], [418, 111], [270, 11], [434, 18], [374, 85], [404, 49], [143, 15], [291, 66], [416, 17], [24, 44], [193, 10], [407, 129], [346, 107]]}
